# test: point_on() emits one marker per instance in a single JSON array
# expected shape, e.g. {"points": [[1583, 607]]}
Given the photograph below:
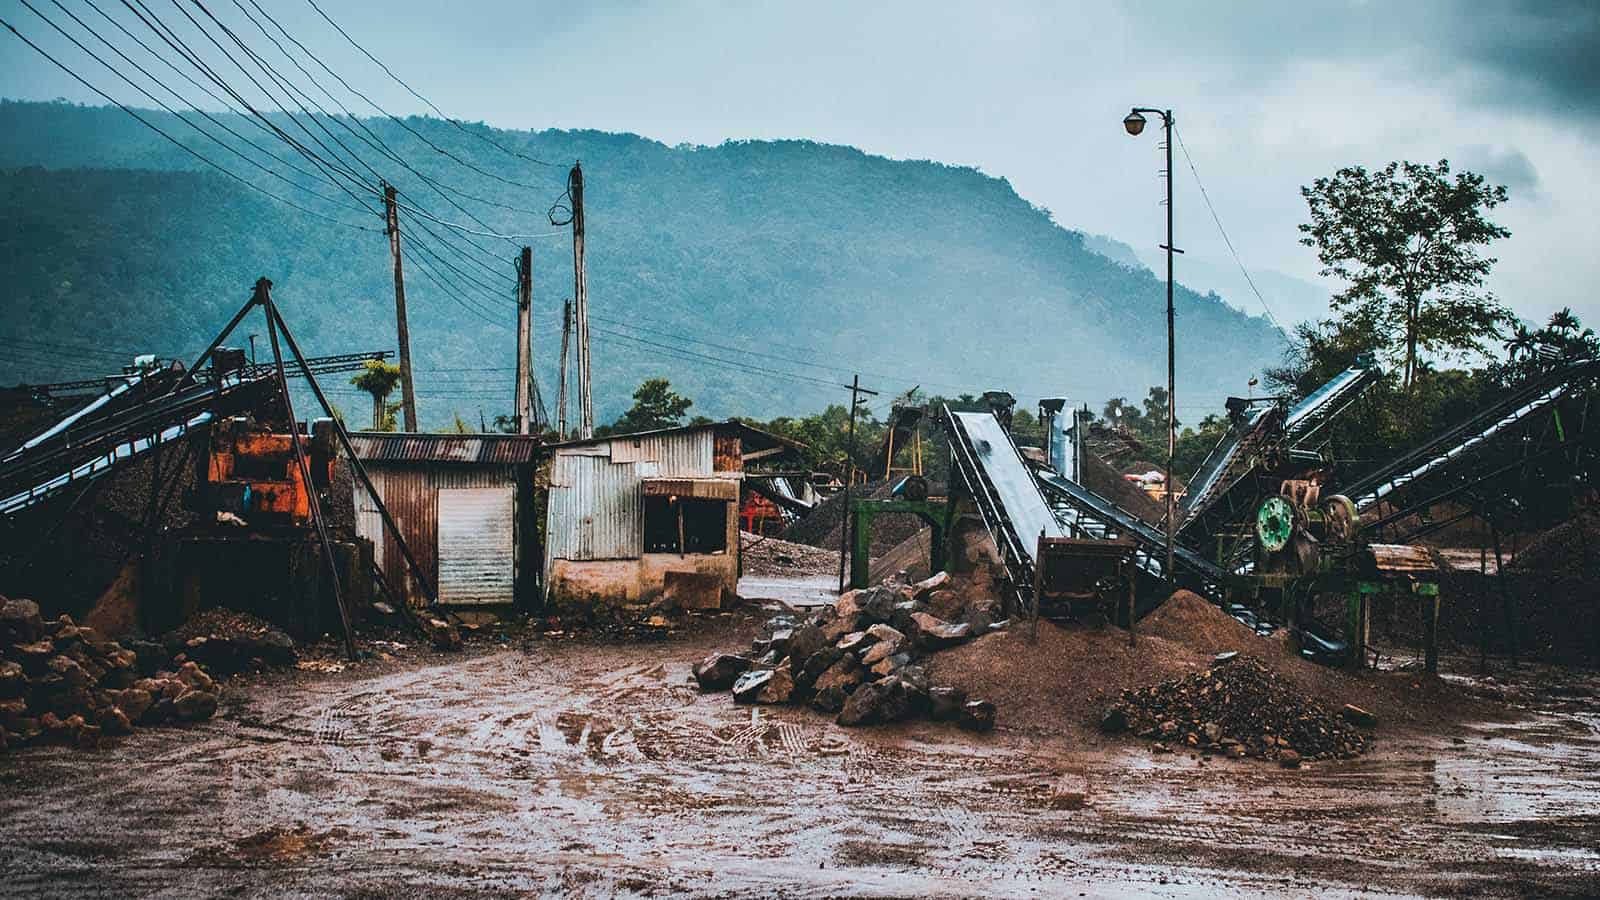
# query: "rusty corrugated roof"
{"points": [[495, 449]]}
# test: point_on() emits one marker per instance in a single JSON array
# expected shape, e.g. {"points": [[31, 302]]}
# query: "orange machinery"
{"points": [[251, 473]]}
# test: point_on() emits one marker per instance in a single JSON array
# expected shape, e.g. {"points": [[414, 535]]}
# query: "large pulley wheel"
{"points": [[1274, 524], [1340, 519]]}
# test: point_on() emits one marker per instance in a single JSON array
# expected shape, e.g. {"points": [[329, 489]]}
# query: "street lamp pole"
{"points": [[1134, 124]]}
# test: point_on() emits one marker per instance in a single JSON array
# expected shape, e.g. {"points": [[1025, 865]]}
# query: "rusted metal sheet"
{"points": [[411, 494], [477, 549], [705, 488], [500, 449], [595, 509], [727, 454]]}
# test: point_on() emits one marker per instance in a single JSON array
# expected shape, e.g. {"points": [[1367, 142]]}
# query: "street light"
{"points": [[1134, 124]]}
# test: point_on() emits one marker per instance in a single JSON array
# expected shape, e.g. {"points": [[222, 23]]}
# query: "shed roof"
{"points": [[751, 437], [410, 447]]}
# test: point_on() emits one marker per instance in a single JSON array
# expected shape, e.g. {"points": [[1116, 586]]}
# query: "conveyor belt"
{"points": [[1091, 515]]}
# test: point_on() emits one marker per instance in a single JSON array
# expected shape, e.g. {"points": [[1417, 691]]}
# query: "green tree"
{"points": [[655, 405], [379, 379], [1406, 241]]}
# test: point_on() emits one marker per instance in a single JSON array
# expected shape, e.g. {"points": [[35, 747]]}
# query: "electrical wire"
{"points": [[414, 93], [179, 144], [1220, 230]]}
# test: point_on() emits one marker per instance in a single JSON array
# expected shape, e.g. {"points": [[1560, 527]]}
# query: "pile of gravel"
{"points": [[1239, 707]]}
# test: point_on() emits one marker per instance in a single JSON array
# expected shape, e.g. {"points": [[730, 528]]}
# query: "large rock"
{"points": [[113, 721], [779, 688], [134, 703], [890, 664], [977, 715], [20, 622], [34, 656], [816, 664], [884, 648], [934, 633], [806, 640], [834, 686], [195, 705], [875, 702], [69, 670], [923, 589], [749, 685], [195, 677], [944, 703], [718, 671], [946, 604], [840, 624], [12, 682]]}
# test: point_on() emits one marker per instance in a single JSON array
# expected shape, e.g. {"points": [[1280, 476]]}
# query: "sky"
{"points": [[1267, 97]]}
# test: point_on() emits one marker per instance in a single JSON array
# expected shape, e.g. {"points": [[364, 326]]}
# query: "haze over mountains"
{"points": [[757, 276]]}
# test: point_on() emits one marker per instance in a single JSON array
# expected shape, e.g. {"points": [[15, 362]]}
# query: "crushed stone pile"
{"points": [[864, 659], [228, 641], [770, 556], [60, 682], [1239, 707]]}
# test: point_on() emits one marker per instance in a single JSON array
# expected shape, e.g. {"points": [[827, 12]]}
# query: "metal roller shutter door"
{"points": [[477, 563]]}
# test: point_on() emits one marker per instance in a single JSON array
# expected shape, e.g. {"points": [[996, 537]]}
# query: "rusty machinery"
{"points": [[1308, 548], [250, 472], [1085, 576]]}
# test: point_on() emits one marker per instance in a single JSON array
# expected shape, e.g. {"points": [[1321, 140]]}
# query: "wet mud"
{"points": [[572, 768]]}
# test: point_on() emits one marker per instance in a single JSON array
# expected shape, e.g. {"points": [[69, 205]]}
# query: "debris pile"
{"points": [[770, 556], [1239, 707], [862, 660], [59, 681], [226, 641]]}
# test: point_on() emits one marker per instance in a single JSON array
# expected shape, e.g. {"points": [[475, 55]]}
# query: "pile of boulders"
{"points": [[59, 681], [1238, 708], [862, 659]]}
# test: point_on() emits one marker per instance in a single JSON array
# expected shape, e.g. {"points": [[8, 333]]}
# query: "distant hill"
{"points": [[821, 259]]}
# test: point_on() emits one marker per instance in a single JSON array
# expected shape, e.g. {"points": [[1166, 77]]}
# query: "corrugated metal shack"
{"points": [[465, 504], [627, 514]]}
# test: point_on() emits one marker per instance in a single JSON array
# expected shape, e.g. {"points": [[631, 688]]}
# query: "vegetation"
{"points": [[655, 405], [379, 379], [1405, 239], [756, 276]]}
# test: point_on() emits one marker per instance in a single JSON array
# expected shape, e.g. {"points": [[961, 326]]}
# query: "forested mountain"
{"points": [[819, 259]]}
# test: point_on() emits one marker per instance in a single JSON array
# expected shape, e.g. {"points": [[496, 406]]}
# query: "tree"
{"points": [[1406, 241], [655, 405], [379, 379]]}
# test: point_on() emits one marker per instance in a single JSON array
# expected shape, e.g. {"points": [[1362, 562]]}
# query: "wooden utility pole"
{"points": [[580, 306], [561, 389], [524, 411], [408, 392], [847, 529]]}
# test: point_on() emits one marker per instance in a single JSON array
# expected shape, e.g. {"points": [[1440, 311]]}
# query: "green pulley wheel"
{"points": [[1274, 524]]}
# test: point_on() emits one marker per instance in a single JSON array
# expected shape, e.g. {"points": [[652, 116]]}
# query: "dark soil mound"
{"points": [[1189, 619], [1242, 708]]}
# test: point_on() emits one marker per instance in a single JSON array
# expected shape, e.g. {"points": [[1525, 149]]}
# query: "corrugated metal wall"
{"points": [[596, 511], [411, 494], [476, 553]]}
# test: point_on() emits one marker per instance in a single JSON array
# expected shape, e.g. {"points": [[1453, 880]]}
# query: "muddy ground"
{"points": [[569, 767]]}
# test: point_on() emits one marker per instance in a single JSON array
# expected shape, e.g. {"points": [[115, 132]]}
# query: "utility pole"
{"points": [[580, 306], [846, 530], [408, 392], [524, 413], [561, 389]]}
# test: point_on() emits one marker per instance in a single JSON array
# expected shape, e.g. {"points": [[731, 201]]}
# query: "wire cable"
{"points": [[179, 144], [414, 93], [1220, 230]]}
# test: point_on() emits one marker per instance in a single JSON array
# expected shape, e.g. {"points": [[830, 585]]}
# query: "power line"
{"points": [[1240, 263], [414, 93], [720, 360], [181, 145]]}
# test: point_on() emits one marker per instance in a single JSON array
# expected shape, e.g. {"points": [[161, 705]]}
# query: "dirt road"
{"points": [[569, 768]]}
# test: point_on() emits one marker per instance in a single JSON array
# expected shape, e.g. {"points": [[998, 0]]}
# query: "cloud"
{"points": [[1502, 165]]}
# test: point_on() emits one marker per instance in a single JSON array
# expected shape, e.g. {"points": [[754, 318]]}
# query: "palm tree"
{"points": [[1522, 342], [379, 379]]}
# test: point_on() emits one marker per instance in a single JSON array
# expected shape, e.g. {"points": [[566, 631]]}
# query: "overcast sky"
{"points": [[1267, 96]]}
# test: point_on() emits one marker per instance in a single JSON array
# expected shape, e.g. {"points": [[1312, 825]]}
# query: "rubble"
{"points": [[773, 557], [59, 681], [858, 660], [227, 641], [1237, 708]]}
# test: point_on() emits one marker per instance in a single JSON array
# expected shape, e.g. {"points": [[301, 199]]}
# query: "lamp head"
{"points": [[1134, 123]]}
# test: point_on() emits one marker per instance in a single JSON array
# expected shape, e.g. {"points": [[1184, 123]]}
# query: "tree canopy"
{"points": [[1406, 239]]}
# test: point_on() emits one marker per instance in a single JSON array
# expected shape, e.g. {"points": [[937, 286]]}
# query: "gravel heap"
{"points": [[228, 641], [1239, 707], [864, 659], [771, 556], [59, 681]]}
